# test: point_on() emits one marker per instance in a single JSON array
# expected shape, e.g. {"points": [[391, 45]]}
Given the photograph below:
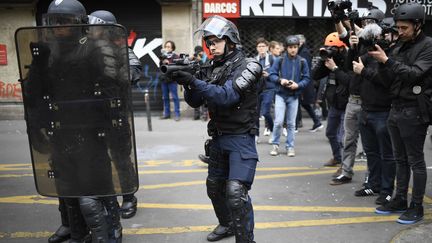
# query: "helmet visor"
{"points": [[215, 25], [96, 20], [60, 19]]}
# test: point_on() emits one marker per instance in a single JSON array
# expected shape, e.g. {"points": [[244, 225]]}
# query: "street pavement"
{"points": [[292, 198]]}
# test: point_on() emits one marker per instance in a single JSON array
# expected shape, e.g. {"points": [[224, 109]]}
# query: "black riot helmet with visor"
{"points": [[220, 27], [65, 12]]}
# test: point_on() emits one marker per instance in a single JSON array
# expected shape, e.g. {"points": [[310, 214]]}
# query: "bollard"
{"points": [[148, 111]]}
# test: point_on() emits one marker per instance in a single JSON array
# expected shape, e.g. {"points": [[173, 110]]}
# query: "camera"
{"points": [[337, 8], [328, 52], [165, 55]]}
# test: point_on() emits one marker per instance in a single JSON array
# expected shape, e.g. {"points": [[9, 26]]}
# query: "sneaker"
{"points": [[219, 233], [413, 214], [332, 163], [337, 173], [275, 150], [164, 117], [364, 192], [395, 205], [340, 180], [266, 132], [291, 152], [176, 118], [316, 127], [270, 141], [361, 157], [383, 199], [285, 132]]}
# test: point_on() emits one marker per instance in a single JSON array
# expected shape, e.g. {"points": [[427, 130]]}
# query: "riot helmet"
{"points": [[102, 17], [333, 40], [292, 40], [220, 27], [410, 11], [65, 12]]}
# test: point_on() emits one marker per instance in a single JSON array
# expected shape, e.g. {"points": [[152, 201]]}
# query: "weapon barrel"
{"points": [[172, 68]]}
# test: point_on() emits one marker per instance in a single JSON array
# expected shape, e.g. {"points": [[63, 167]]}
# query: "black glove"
{"points": [[40, 53], [182, 77]]}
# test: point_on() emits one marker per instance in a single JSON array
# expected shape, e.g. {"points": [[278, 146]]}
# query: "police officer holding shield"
{"points": [[229, 87], [409, 67], [121, 152], [71, 75]]}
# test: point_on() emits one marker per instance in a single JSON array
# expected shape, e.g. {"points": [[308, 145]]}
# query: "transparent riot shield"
{"points": [[78, 109]]}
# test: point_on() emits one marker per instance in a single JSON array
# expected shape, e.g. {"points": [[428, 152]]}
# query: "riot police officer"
{"points": [[409, 67], [67, 70], [121, 152], [229, 87]]}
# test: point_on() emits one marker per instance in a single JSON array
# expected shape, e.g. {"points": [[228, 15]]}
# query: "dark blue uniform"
{"points": [[233, 152]]}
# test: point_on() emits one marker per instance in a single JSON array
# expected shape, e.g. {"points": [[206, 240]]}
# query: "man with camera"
{"points": [[331, 67], [409, 69], [375, 108]]}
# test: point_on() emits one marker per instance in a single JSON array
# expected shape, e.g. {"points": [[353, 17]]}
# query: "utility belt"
{"points": [[216, 133], [355, 99]]}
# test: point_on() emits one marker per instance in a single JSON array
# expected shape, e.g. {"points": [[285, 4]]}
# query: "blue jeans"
{"points": [[378, 148], [266, 100], [167, 88], [335, 131], [289, 106]]}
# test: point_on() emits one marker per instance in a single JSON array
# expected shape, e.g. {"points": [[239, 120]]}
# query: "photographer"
{"points": [[168, 84], [409, 68], [331, 65], [375, 108]]}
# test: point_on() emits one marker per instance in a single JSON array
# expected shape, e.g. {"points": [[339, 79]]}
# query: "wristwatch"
{"points": [[334, 69]]}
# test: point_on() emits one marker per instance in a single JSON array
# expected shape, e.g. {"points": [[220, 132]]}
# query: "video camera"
{"points": [[165, 55], [328, 52], [373, 34], [183, 63]]}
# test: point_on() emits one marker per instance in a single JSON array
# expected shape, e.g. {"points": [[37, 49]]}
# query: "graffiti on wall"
{"points": [[11, 91]]}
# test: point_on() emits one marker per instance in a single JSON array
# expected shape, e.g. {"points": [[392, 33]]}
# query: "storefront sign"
{"points": [[225, 8], [3, 55], [317, 8]]}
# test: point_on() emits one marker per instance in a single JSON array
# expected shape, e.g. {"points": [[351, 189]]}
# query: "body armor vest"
{"points": [[240, 118]]}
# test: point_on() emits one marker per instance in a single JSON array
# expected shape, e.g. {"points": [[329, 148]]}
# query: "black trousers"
{"points": [[408, 134]]}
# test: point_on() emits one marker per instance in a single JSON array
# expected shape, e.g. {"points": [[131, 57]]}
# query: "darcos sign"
{"points": [[296, 8], [225, 8]]}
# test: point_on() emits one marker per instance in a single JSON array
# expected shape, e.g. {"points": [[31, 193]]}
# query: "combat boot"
{"points": [[220, 232], [62, 234], [129, 208]]}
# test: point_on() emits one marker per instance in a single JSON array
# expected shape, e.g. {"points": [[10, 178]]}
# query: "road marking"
{"points": [[35, 199], [259, 177], [208, 228], [15, 167]]}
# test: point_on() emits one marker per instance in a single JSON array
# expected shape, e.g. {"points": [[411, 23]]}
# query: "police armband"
{"points": [[249, 76]]}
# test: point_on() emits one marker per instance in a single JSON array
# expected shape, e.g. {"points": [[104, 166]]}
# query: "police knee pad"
{"points": [[237, 194], [215, 187]]}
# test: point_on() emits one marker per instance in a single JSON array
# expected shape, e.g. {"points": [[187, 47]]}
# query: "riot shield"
{"points": [[78, 109]]}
